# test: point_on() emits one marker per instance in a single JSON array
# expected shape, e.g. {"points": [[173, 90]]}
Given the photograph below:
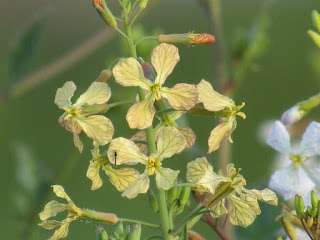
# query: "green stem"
{"points": [[194, 213], [115, 104], [135, 16], [165, 110], [154, 237], [137, 221], [122, 33], [150, 139], [184, 185], [146, 38]]}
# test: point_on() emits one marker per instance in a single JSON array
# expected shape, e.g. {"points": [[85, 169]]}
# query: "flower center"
{"points": [[156, 90], [72, 112], [297, 159], [152, 165]]}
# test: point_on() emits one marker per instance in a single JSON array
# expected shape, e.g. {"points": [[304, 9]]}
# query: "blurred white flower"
{"points": [[297, 177]]}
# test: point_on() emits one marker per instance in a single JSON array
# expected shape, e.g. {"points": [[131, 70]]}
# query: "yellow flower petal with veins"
{"points": [[77, 142], [164, 58], [189, 135], [224, 129], [265, 195], [122, 178], [64, 95], [51, 209], [140, 186], [182, 96], [165, 178], [219, 209], [123, 151], [97, 93], [62, 232], [50, 224], [128, 72], [241, 212], [97, 127], [141, 114], [59, 191], [170, 142], [94, 176], [141, 136], [201, 173], [212, 100]]}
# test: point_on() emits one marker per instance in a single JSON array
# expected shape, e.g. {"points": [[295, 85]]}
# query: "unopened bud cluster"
{"points": [[121, 233]]}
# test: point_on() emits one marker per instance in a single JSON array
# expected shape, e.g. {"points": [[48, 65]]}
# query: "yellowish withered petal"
{"points": [[141, 136], [219, 209], [189, 135], [51, 209], [77, 142], [140, 186], [252, 202], [123, 151], [50, 224], [141, 114], [201, 173], [182, 96], [265, 195], [241, 213], [59, 191], [62, 232], [97, 93], [64, 95], [170, 142], [122, 178], [94, 176], [128, 72], [69, 124], [165, 178], [97, 127], [224, 129], [164, 58], [212, 100]]}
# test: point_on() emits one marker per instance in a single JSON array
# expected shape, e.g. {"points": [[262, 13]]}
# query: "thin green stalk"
{"points": [[151, 141], [122, 33], [137, 221], [115, 104], [165, 110], [146, 38], [135, 16]]}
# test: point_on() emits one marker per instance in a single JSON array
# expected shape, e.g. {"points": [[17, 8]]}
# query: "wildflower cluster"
{"points": [[223, 194]]}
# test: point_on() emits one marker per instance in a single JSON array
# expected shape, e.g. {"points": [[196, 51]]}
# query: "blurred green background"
{"points": [[37, 152]]}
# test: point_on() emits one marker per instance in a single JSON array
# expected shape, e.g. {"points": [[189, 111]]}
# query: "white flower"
{"points": [[297, 177]]}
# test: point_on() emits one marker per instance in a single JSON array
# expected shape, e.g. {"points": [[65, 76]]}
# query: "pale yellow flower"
{"points": [[79, 116], [225, 106], [120, 178], [128, 72], [124, 151], [229, 189]]}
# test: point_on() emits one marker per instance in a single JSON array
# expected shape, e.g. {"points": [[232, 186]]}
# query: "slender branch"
{"points": [[137, 221], [165, 110], [306, 229], [115, 104], [135, 16], [146, 38], [215, 227], [122, 33]]}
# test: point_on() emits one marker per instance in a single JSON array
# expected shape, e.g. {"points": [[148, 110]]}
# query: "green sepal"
{"points": [[314, 199], [101, 234], [119, 229], [136, 233]]}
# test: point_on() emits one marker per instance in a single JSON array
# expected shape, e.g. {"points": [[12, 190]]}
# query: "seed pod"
{"points": [[289, 229], [184, 196], [296, 206], [136, 233], [153, 201], [314, 199], [301, 204], [172, 195]]}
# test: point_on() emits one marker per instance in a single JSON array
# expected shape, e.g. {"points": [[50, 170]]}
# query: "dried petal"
{"points": [[140, 186], [97, 93], [64, 95], [165, 178]]}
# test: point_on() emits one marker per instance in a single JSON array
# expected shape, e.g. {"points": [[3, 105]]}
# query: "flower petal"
{"points": [[310, 143], [164, 58], [69, 124], [62, 232], [279, 138], [170, 142], [141, 114], [141, 136], [140, 186], [50, 224], [182, 96], [201, 173], [97, 93], [94, 176], [122, 178], [128, 72], [97, 127], [51, 209], [59, 191], [77, 142], [289, 181], [189, 135], [212, 100], [266, 195], [241, 212], [219, 209], [64, 95], [165, 178], [123, 151]]}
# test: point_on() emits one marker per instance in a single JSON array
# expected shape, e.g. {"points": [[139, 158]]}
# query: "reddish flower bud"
{"points": [[187, 38], [104, 12]]}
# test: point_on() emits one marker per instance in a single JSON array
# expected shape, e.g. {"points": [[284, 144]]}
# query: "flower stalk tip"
{"points": [[105, 13]]}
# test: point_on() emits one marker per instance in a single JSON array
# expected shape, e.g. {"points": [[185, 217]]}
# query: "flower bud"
{"points": [[184, 196], [143, 3], [316, 19], [314, 199], [119, 229], [136, 233], [172, 195], [297, 208], [289, 229], [104, 76], [109, 218], [291, 116], [194, 236], [314, 212], [101, 234], [310, 222], [187, 38], [301, 204], [148, 71], [309, 210], [96, 109], [104, 12], [315, 37]]}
